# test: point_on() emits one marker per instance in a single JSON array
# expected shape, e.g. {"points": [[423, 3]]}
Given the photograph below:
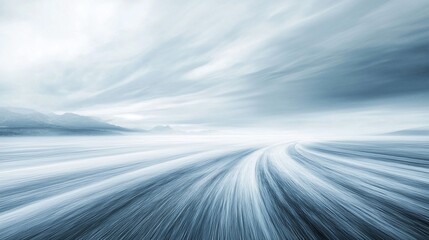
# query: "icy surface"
{"points": [[213, 187]]}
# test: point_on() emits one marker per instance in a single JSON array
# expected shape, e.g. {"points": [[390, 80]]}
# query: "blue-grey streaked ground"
{"points": [[185, 187]]}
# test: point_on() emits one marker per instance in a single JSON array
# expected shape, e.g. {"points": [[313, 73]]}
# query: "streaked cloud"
{"points": [[218, 63]]}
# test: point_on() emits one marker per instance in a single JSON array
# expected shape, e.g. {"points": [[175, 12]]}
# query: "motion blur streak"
{"points": [[217, 187]]}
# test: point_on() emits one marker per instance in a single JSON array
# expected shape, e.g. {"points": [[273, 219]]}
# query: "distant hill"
{"points": [[421, 131], [19, 121], [162, 129]]}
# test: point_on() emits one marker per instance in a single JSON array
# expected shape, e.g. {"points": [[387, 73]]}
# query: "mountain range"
{"points": [[20, 121]]}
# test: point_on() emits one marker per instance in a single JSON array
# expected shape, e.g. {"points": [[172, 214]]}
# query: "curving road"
{"points": [[189, 187]]}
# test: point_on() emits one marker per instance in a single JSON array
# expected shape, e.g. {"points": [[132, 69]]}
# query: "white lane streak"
{"points": [[25, 174], [363, 180], [33, 214], [22, 186], [242, 192], [322, 192], [27, 157], [369, 176], [367, 163]]}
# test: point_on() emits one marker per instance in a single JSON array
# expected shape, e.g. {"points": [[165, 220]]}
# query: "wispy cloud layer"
{"points": [[218, 63]]}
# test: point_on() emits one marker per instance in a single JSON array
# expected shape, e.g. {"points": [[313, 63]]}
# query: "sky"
{"points": [[352, 65]]}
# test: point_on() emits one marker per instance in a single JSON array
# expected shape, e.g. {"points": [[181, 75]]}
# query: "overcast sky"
{"points": [[360, 64]]}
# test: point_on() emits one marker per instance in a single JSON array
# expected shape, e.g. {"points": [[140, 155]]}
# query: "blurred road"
{"points": [[189, 187]]}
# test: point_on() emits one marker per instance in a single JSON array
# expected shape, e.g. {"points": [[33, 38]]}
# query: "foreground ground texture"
{"points": [[230, 187]]}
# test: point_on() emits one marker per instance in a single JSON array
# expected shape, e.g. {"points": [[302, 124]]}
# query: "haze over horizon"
{"points": [[226, 120], [330, 65]]}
